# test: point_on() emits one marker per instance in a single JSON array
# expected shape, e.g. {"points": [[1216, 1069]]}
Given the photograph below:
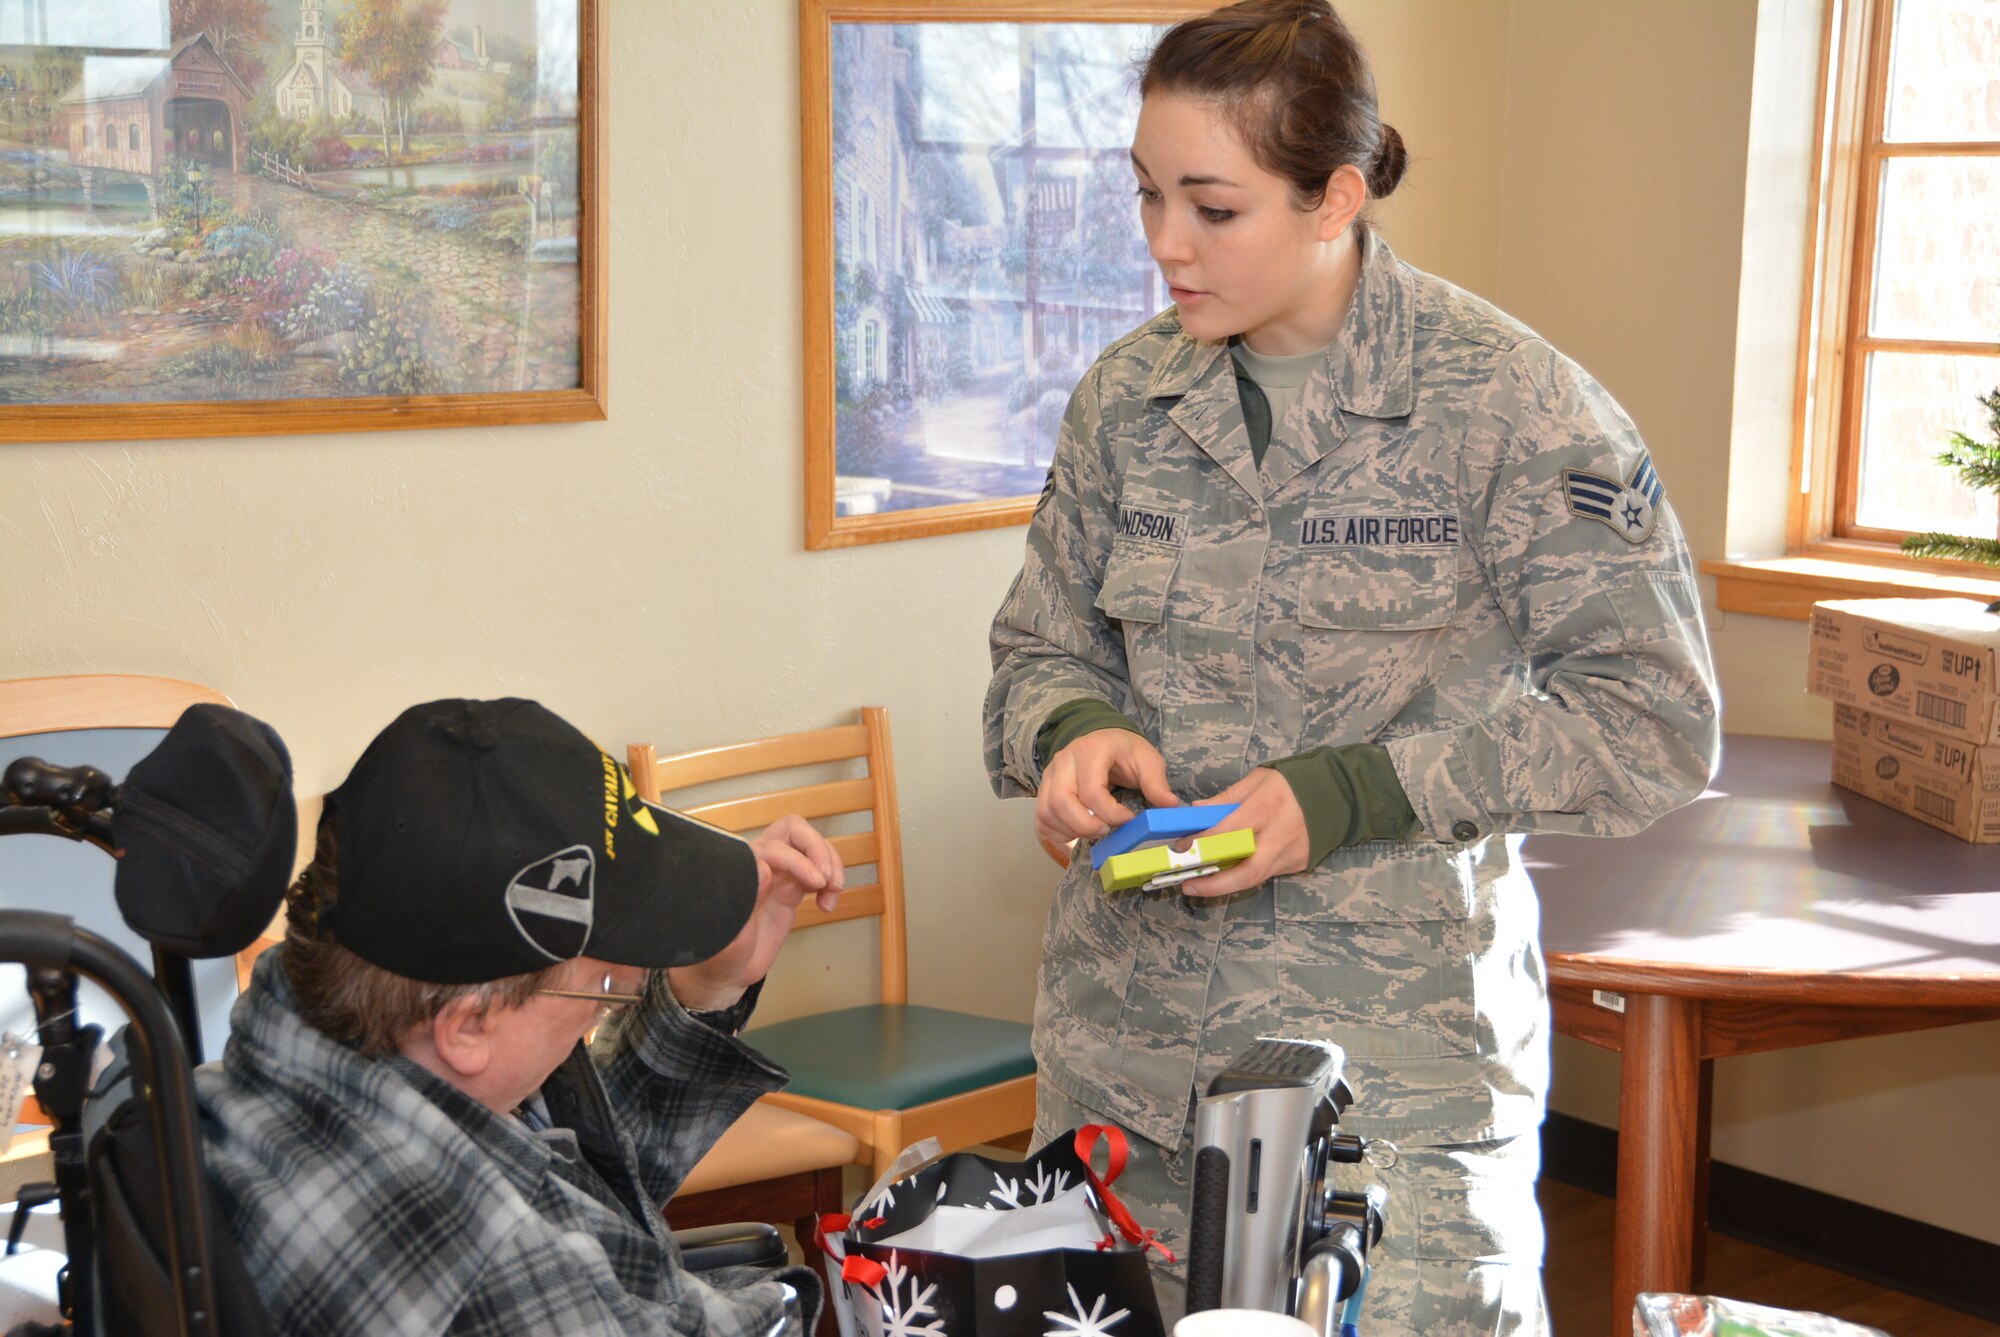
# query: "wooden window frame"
{"points": [[1828, 554]]}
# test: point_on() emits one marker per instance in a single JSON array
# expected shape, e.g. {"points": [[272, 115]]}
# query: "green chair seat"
{"points": [[892, 1057]]}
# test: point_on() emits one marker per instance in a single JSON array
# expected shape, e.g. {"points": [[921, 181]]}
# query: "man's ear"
{"points": [[1346, 192], [462, 1035]]}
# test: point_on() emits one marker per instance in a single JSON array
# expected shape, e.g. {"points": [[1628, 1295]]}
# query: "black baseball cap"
{"points": [[482, 839]]}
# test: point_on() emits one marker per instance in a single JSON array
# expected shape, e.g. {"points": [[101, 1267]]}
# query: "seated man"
{"points": [[407, 1132]]}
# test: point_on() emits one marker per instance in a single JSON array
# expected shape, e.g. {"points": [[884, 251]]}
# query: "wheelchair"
{"points": [[148, 1254]]}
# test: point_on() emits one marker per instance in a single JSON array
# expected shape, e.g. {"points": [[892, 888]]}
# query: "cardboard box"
{"points": [[1950, 783], [1931, 662]]}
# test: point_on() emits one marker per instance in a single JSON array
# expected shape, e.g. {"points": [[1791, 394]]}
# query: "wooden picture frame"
{"points": [[299, 292], [965, 259]]}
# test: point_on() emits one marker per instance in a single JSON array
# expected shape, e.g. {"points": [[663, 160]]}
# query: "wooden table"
{"points": [[1776, 910]]}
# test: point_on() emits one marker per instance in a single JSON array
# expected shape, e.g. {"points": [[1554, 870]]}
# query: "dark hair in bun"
{"points": [[1386, 172], [1296, 84]]}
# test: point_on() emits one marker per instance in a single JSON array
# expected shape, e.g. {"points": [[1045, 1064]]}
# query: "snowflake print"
{"points": [[901, 1318], [1046, 1186], [880, 1204], [1076, 1323]]}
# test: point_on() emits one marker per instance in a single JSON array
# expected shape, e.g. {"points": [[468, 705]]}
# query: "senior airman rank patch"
{"points": [[1628, 508]]}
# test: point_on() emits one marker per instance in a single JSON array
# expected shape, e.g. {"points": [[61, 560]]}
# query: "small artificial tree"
{"points": [[1978, 465]]}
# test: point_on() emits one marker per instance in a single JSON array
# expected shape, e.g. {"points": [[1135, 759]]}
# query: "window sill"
{"points": [[1788, 587]]}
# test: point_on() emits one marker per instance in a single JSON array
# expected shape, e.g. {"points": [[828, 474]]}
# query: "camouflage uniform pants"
{"points": [[1462, 1253]]}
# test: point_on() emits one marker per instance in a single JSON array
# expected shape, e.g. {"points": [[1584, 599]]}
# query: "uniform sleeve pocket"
{"points": [[1654, 605], [1136, 580], [1367, 591]]}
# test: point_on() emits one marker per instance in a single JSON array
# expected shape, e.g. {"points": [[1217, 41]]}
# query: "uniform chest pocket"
{"points": [[1138, 577], [1371, 626], [1369, 590]]}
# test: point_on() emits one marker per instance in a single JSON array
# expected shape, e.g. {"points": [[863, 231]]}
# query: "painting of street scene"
{"points": [[284, 199], [986, 247]]}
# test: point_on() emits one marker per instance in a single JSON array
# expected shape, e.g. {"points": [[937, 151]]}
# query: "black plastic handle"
{"points": [[1208, 1229], [70, 801]]}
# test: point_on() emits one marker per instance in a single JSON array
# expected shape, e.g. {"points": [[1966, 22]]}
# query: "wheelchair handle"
{"points": [[37, 938], [163, 1079], [71, 801]]}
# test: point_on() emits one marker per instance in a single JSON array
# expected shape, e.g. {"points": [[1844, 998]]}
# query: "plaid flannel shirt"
{"points": [[368, 1196]]}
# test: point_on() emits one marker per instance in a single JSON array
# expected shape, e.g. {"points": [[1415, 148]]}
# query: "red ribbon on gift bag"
{"points": [[862, 1271], [1118, 1152]]}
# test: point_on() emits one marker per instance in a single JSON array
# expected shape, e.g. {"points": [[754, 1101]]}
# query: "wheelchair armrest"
{"points": [[735, 1244]]}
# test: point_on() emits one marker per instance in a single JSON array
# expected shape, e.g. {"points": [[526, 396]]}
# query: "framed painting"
{"points": [[227, 217], [971, 243]]}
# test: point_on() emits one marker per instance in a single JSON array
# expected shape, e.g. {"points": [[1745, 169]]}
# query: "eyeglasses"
{"points": [[609, 1004]]}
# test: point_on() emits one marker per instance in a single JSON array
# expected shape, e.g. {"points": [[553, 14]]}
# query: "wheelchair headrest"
{"points": [[208, 831]]}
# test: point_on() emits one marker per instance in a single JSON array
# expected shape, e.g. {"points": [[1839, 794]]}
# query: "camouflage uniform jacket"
{"points": [[1455, 546]]}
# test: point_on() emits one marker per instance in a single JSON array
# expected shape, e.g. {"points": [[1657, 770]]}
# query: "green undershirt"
{"points": [[1268, 387]]}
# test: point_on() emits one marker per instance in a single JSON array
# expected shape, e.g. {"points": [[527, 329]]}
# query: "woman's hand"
{"points": [[793, 861], [1266, 805], [1075, 796]]}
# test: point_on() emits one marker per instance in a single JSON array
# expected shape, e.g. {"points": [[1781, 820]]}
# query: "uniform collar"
{"points": [[1369, 361], [1366, 373]]}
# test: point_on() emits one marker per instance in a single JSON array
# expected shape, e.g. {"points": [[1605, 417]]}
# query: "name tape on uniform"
{"points": [[1135, 522], [1379, 531]]}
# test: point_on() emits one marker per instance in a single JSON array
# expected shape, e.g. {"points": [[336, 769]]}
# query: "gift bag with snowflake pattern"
{"points": [[971, 1247]]}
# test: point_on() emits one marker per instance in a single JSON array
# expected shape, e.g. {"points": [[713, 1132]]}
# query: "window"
{"points": [[134, 145], [110, 136], [1902, 329]]}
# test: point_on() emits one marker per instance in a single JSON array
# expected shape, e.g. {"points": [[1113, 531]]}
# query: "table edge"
{"points": [[1861, 988]]}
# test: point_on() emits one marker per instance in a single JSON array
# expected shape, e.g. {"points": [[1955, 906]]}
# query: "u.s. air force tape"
{"points": [[1629, 509], [1378, 530]]}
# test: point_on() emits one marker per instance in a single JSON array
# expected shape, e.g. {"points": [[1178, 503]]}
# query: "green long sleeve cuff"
{"points": [[1072, 720], [1348, 794]]}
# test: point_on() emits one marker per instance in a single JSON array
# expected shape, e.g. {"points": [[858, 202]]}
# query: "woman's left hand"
{"points": [[1266, 805]]}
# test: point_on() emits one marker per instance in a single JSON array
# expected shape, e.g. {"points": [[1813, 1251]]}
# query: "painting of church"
{"points": [[316, 82]]}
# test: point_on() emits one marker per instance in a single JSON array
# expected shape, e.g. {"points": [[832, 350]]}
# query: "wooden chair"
{"points": [[30, 706], [888, 1072]]}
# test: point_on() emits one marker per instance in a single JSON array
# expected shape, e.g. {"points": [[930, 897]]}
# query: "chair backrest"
{"points": [[872, 792], [97, 701]]}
